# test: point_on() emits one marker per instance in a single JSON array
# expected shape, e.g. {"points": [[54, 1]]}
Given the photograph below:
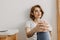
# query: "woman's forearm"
{"points": [[30, 33]]}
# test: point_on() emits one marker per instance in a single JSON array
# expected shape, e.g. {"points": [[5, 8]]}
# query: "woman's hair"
{"points": [[32, 12]]}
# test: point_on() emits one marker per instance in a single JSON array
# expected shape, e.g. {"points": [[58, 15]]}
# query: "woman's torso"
{"points": [[32, 24]]}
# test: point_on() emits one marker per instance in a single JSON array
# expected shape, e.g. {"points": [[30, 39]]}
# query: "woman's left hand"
{"points": [[44, 26]]}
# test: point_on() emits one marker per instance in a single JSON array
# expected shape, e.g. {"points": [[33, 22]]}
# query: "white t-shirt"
{"points": [[32, 24]]}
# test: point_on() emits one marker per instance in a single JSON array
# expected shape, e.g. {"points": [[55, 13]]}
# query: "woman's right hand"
{"points": [[38, 28], [41, 28]]}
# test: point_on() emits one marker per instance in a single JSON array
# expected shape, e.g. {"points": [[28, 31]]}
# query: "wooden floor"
{"points": [[9, 37]]}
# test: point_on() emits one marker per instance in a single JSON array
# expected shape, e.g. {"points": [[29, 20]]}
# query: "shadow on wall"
{"points": [[22, 34]]}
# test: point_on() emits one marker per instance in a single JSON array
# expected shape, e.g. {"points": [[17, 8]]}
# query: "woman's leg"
{"points": [[43, 36]]}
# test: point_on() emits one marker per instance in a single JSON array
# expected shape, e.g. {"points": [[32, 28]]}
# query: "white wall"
{"points": [[14, 14]]}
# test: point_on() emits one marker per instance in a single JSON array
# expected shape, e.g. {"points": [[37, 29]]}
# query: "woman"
{"points": [[37, 28]]}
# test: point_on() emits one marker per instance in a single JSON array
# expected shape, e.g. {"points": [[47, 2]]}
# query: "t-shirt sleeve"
{"points": [[27, 24], [50, 27]]}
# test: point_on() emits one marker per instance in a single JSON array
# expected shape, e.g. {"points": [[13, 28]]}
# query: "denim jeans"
{"points": [[43, 36]]}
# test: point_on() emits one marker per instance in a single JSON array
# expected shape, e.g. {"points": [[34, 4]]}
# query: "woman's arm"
{"points": [[30, 32]]}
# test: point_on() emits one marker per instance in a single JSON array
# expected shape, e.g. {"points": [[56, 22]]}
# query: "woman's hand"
{"points": [[42, 27]]}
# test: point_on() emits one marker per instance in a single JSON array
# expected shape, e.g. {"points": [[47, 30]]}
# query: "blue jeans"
{"points": [[43, 36]]}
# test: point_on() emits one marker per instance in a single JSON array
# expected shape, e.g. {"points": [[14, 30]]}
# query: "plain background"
{"points": [[14, 14]]}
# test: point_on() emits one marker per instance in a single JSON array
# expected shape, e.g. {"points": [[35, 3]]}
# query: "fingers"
{"points": [[42, 29], [43, 22], [44, 25]]}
